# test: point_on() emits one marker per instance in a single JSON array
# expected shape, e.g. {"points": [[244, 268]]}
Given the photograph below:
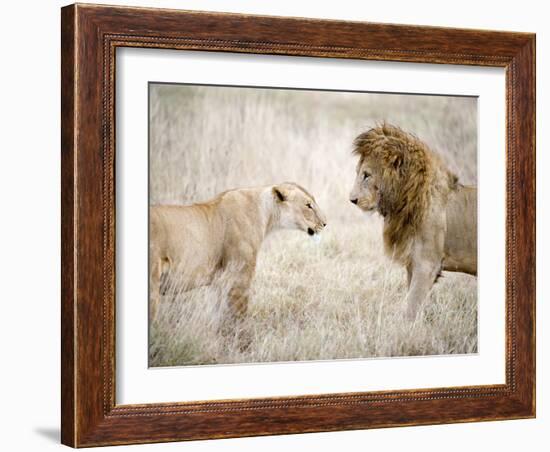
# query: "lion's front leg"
{"points": [[409, 275], [422, 271], [422, 279]]}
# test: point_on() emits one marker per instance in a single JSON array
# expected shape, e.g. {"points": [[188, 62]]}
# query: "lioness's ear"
{"points": [[279, 195]]}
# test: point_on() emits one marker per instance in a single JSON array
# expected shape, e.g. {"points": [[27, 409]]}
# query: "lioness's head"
{"points": [[297, 209]]}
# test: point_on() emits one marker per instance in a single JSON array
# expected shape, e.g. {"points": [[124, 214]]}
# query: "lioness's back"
{"points": [[188, 236]]}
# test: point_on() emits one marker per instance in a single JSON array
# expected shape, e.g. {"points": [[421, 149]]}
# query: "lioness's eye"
{"points": [[366, 175], [309, 205]]}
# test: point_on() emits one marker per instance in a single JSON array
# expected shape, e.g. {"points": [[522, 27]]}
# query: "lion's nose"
{"points": [[354, 201]]}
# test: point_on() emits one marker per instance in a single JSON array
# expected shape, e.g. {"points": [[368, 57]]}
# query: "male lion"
{"points": [[225, 234], [430, 219]]}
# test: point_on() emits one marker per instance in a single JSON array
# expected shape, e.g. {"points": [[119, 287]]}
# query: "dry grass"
{"points": [[341, 298]]}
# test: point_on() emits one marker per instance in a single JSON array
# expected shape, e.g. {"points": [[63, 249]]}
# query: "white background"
{"points": [[137, 384], [30, 225]]}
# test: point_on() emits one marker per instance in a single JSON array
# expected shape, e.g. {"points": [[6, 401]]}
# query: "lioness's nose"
{"points": [[354, 201]]}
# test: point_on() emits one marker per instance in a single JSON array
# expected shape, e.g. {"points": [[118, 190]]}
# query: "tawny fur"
{"points": [[430, 219], [225, 234]]}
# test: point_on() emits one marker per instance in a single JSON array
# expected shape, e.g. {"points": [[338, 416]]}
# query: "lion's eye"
{"points": [[366, 175], [308, 205]]}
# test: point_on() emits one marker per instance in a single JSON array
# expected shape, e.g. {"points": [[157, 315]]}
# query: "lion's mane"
{"points": [[411, 179]]}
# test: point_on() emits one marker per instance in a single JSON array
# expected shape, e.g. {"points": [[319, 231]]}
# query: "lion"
{"points": [[430, 218], [225, 234]]}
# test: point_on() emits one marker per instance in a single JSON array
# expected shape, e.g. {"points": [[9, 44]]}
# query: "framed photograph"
{"points": [[281, 225]]}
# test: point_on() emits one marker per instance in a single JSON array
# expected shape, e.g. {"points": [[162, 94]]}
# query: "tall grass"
{"points": [[340, 299]]}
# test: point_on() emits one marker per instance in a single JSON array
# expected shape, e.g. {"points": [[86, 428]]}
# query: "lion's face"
{"points": [[298, 209], [365, 191]]}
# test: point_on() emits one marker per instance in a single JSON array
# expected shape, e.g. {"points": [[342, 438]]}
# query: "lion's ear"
{"points": [[395, 159], [453, 180], [279, 194]]}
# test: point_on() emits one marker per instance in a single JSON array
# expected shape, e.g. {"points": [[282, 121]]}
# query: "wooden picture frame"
{"points": [[90, 35]]}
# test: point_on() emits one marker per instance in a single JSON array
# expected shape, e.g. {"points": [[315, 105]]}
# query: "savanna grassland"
{"points": [[340, 298]]}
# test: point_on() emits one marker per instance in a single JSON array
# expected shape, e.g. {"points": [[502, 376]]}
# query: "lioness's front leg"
{"points": [[154, 285], [238, 305], [238, 293]]}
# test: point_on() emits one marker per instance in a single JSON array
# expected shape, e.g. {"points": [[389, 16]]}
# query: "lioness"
{"points": [[430, 219], [225, 233]]}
